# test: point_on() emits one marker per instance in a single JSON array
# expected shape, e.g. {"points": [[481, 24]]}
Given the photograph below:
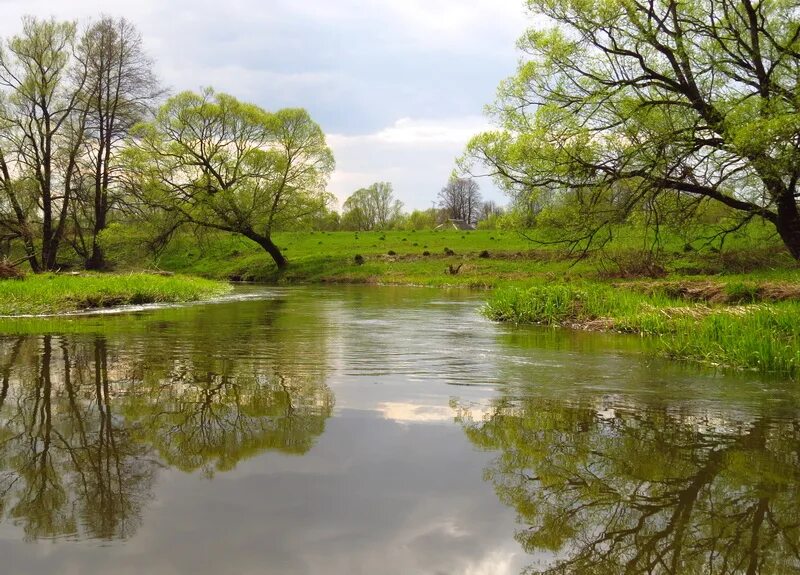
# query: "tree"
{"points": [[461, 199], [372, 208], [120, 88], [219, 163], [624, 103], [43, 128], [421, 220]]}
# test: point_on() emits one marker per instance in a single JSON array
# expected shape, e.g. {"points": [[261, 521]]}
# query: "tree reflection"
{"points": [[84, 428], [620, 488]]}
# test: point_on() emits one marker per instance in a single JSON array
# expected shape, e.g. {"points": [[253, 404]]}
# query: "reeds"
{"points": [[763, 337]]}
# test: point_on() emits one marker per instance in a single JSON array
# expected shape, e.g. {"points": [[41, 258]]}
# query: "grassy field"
{"points": [[481, 258], [54, 293]]}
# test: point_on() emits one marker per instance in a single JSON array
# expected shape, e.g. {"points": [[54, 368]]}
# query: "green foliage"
{"points": [[420, 220], [372, 208], [742, 292], [639, 113], [219, 163]]}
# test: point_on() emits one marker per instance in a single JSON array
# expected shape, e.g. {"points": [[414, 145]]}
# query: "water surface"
{"points": [[381, 430]]}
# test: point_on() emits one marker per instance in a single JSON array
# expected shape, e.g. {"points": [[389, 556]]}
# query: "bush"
{"points": [[8, 271]]}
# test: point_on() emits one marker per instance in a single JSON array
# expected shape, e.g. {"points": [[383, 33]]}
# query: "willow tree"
{"points": [[219, 163], [625, 104]]}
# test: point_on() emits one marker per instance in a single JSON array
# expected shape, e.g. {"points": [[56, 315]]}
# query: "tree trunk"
{"points": [[273, 250], [788, 224], [97, 259]]}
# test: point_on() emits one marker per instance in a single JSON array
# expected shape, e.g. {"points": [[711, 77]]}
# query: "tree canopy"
{"points": [[664, 105], [372, 208], [220, 163]]}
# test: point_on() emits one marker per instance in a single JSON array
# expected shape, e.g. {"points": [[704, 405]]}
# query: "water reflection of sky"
{"points": [[361, 501]]}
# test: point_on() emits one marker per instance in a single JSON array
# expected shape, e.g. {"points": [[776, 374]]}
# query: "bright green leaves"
{"points": [[693, 98], [229, 165]]}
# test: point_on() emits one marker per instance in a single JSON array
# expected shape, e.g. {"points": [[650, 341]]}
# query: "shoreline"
{"points": [[758, 335], [59, 295]]}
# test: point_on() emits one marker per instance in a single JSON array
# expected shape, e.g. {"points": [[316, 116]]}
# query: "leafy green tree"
{"points": [[421, 219], [42, 129], [620, 103], [372, 208], [219, 163]]}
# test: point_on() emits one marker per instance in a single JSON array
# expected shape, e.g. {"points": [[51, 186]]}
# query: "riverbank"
{"points": [[478, 259], [743, 326], [59, 293], [734, 305]]}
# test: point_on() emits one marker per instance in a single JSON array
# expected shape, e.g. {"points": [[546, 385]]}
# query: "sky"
{"points": [[398, 86]]}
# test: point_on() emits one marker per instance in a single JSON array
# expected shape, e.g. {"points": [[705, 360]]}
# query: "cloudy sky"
{"points": [[398, 85]]}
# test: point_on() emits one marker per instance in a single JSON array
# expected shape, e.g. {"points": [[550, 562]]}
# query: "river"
{"points": [[348, 430]]}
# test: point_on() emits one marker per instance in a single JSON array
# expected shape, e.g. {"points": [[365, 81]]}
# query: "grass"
{"points": [[392, 257], [55, 293], [758, 336], [488, 258]]}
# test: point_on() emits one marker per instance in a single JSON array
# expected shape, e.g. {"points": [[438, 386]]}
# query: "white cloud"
{"points": [[395, 154], [428, 132], [399, 84]]}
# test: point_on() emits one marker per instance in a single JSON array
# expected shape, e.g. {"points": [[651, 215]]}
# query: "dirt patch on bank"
{"points": [[716, 292]]}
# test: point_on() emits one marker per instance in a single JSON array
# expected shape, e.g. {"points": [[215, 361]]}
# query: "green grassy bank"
{"points": [[483, 258], [742, 331], [55, 293], [736, 305]]}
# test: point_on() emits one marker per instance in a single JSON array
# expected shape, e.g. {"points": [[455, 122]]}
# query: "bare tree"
{"points": [[461, 199], [120, 90], [488, 209]]}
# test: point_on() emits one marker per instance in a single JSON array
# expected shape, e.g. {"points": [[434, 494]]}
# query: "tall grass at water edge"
{"points": [[759, 336]]}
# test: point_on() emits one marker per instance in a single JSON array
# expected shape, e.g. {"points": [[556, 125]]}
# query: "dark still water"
{"points": [[381, 431]]}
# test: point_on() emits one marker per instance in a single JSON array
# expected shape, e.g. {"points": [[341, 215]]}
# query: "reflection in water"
{"points": [[609, 486], [86, 422], [126, 427]]}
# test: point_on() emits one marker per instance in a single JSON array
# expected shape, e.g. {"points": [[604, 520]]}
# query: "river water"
{"points": [[350, 430]]}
